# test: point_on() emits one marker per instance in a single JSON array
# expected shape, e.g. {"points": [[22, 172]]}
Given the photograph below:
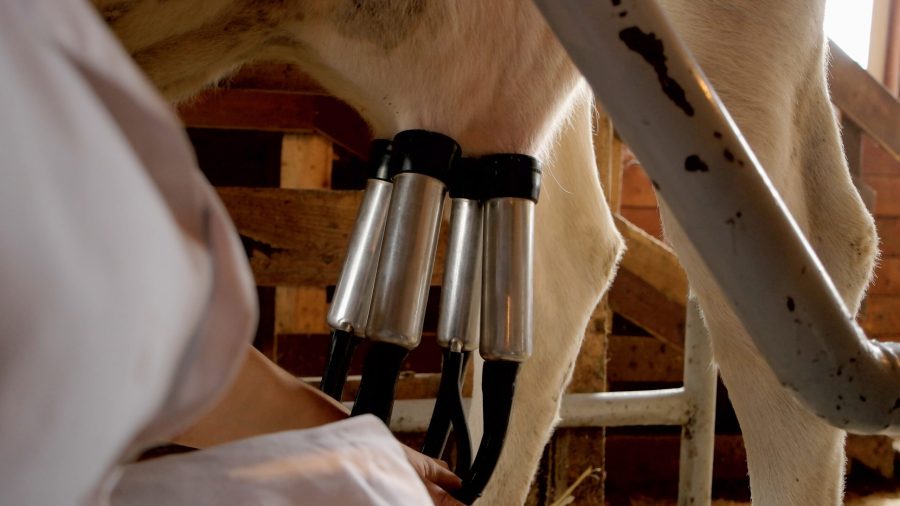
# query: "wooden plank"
{"points": [[306, 161], [881, 317], [889, 232], [875, 452], [298, 237], [608, 153], [645, 218], [279, 111], [643, 359], [852, 140], [305, 164], [638, 301], [887, 278], [876, 161], [300, 310], [653, 261], [650, 288], [589, 374], [572, 451], [648, 465], [637, 191], [887, 190], [864, 100]]}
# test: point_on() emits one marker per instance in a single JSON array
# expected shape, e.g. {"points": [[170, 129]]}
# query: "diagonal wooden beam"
{"points": [[650, 288], [860, 97]]}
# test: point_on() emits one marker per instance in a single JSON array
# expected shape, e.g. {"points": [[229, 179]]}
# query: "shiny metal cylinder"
{"points": [[353, 294], [507, 299], [407, 258], [459, 316]]}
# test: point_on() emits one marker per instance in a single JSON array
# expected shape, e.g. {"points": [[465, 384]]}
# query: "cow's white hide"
{"points": [[491, 75]]}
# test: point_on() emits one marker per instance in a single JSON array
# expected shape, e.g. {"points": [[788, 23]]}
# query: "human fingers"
{"points": [[432, 471], [441, 497]]}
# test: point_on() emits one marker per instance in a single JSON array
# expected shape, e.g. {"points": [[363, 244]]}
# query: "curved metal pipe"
{"points": [[670, 116]]}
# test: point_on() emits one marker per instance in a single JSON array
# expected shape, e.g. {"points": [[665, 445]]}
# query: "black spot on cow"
{"points": [[728, 155], [693, 163], [790, 303], [717, 135], [616, 3], [652, 50]]}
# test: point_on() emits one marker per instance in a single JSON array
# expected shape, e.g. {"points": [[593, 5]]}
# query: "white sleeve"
{"points": [[125, 299], [355, 462]]}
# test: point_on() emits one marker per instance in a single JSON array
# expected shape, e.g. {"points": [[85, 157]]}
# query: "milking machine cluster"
{"points": [[487, 285]]}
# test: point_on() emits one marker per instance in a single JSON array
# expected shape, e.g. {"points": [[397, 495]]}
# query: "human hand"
{"points": [[436, 476]]}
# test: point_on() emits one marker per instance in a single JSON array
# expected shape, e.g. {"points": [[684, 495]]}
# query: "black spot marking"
{"points": [[693, 163], [840, 370], [616, 3], [896, 406], [862, 398], [790, 303], [728, 155], [623, 14], [837, 407], [653, 52], [741, 163], [739, 214], [803, 270], [717, 135]]}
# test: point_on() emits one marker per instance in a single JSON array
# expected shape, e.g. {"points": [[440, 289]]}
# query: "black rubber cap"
{"points": [[511, 175], [466, 180], [423, 152], [379, 155]]}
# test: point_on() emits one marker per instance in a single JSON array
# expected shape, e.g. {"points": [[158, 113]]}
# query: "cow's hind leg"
{"points": [[576, 250], [765, 59]]}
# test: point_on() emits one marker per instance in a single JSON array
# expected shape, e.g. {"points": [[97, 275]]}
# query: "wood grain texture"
{"points": [[298, 237], [279, 111], [864, 100], [643, 359]]}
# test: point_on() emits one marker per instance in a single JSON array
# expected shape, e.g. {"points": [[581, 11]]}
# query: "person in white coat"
{"points": [[127, 306]]}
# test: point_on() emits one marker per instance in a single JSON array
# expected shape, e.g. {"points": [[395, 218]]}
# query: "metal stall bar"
{"points": [[704, 170], [692, 406], [698, 435]]}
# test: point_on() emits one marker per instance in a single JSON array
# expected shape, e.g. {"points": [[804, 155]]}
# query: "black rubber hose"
{"points": [[498, 384], [343, 345], [379, 381], [448, 408]]}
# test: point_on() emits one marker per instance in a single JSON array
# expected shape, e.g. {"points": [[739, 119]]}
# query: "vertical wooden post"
{"points": [[608, 152], [852, 138], [305, 164]]}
